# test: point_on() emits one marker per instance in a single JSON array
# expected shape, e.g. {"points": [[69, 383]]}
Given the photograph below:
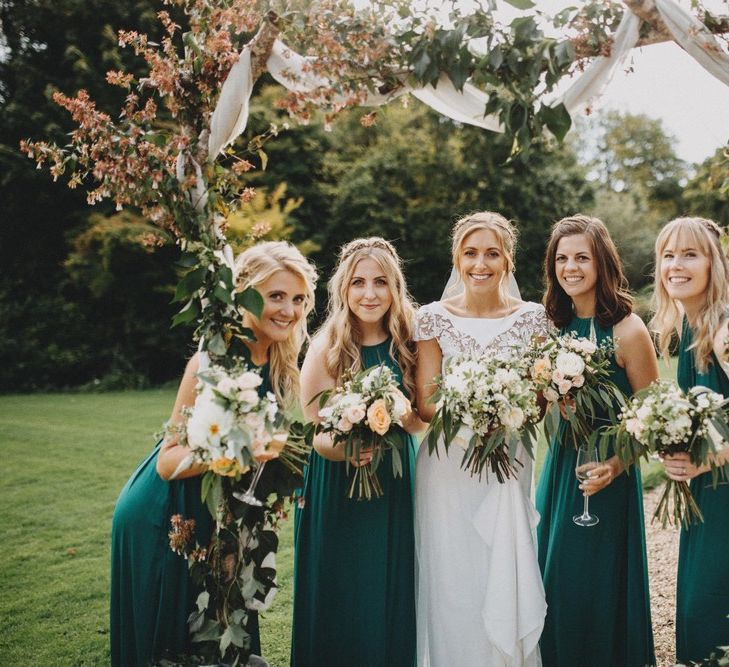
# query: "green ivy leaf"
{"points": [[557, 119], [521, 4], [187, 314], [251, 300], [192, 282], [222, 294], [217, 345]]}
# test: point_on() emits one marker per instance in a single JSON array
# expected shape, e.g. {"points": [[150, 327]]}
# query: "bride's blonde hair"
{"points": [[505, 233], [705, 235], [341, 328], [253, 267]]}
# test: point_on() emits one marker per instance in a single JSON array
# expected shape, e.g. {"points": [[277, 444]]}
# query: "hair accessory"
{"points": [[354, 246]]}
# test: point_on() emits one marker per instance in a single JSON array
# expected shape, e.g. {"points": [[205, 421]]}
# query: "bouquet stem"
{"points": [[365, 484], [677, 506], [498, 461]]}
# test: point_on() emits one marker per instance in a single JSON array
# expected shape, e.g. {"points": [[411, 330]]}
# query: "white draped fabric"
{"points": [[693, 36], [294, 72]]}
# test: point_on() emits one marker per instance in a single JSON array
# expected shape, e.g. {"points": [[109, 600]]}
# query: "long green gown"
{"points": [[595, 578], [151, 592], [354, 579], [702, 595]]}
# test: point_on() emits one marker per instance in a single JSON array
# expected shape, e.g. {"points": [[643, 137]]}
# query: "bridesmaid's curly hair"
{"points": [[613, 302]]}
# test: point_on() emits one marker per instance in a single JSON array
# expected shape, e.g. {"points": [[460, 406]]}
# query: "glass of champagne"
{"points": [[587, 460]]}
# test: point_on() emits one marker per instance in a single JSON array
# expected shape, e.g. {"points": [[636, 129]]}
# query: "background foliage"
{"points": [[84, 303]]}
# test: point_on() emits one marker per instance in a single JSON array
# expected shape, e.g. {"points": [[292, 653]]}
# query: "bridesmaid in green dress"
{"points": [[595, 578], [354, 601], [151, 592], [692, 279]]}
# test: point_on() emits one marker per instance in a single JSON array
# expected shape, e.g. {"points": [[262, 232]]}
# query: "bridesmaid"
{"points": [[691, 299], [596, 578], [151, 593], [354, 570]]}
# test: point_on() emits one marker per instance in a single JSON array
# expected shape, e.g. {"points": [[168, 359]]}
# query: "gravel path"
{"points": [[662, 561]]}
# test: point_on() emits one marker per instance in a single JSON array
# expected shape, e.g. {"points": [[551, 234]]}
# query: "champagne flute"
{"points": [[278, 440], [587, 460]]}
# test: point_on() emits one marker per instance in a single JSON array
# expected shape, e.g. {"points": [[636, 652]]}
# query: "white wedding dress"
{"points": [[480, 599]]}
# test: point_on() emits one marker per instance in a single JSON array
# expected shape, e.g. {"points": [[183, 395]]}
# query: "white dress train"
{"points": [[480, 598]]}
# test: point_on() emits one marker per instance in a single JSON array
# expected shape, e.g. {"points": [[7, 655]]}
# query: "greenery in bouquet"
{"points": [[230, 429], [361, 414], [663, 419], [487, 405], [573, 374]]}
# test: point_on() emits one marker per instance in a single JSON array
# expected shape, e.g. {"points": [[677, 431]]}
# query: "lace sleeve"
{"points": [[534, 323], [428, 324]]}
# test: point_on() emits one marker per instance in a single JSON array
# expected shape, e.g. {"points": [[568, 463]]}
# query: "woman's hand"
{"points": [[680, 469], [272, 450], [601, 476], [365, 457]]}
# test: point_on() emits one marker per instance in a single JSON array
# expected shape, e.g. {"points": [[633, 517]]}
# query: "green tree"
{"points": [[707, 192]]}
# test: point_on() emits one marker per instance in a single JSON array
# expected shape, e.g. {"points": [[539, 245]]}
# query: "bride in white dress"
{"points": [[480, 599]]}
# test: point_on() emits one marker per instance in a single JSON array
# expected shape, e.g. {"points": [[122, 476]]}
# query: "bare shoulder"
{"points": [[317, 348], [631, 328]]}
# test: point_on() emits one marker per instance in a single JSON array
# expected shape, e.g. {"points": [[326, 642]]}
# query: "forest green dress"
{"points": [[151, 592], [354, 579], [702, 595], [595, 578]]}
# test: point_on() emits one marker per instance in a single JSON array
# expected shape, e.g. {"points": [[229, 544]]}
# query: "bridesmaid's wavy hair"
{"points": [[705, 235], [505, 232], [253, 267], [341, 329], [613, 302]]}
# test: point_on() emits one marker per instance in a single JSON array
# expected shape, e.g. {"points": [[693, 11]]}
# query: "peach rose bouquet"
{"points": [[364, 412]]}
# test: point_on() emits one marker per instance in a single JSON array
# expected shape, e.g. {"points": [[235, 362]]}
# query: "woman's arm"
{"points": [[636, 354], [428, 367], [314, 380], [171, 453]]}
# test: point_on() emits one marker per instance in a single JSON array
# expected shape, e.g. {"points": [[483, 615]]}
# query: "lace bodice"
{"points": [[458, 336]]}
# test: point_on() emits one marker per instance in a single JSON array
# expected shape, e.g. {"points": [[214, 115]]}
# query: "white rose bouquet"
{"points": [[361, 414], [487, 405], [573, 375], [663, 419], [230, 425]]}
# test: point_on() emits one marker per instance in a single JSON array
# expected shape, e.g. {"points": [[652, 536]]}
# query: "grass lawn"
{"points": [[65, 457]]}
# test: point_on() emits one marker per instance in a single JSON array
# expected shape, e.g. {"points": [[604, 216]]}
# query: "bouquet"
{"points": [[663, 419], [361, 414], [573, 375], [230, 426], [487, 405]]}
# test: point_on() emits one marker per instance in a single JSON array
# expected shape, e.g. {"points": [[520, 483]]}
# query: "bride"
{"points": [[480, 599]]}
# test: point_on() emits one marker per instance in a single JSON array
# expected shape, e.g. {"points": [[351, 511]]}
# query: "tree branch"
{"points": [[657, 33], [262, 44]]}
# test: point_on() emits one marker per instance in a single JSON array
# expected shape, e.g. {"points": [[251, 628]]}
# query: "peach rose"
{"points": [[542, 369], [378, 418], [227, 467]]}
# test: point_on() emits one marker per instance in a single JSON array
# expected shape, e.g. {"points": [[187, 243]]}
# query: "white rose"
{"points": [[355, 413], [512, 417], [249, 396], [570, 364], [551, 395], [326, 412], [400, 405], [643, 413], [578, 381], [344, 425], [584, 345], [249, 380], [226, 386], [564, 386]]}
